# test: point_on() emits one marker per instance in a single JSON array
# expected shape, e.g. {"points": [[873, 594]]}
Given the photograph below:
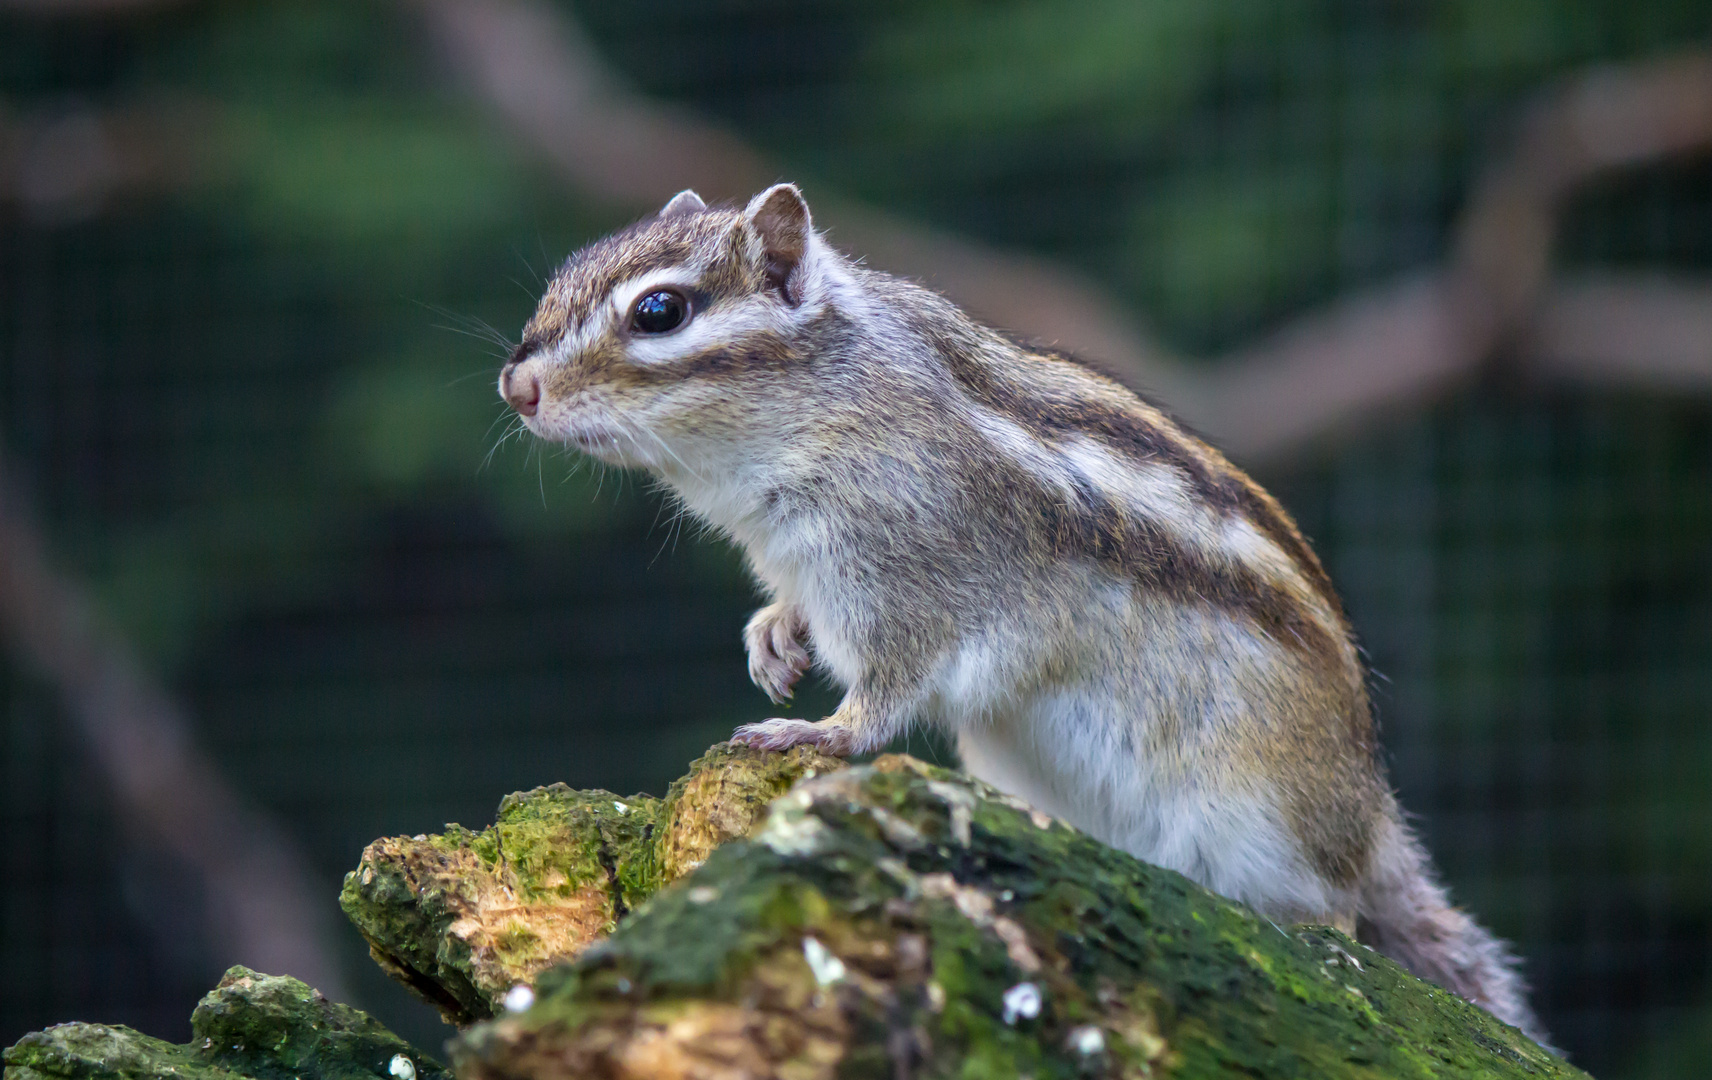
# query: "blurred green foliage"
{"points": [[356, 186]]}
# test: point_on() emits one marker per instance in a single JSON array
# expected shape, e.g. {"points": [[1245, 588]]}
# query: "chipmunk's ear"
{"points": [[780, 218], [684, 202]]}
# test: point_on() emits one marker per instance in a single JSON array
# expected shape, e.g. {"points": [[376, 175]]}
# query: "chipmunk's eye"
{"points": [[660, 312]]}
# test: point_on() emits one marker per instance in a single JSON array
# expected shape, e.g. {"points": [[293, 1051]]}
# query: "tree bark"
{"points": [[462, 917], [260, 1027], [892, 919]]}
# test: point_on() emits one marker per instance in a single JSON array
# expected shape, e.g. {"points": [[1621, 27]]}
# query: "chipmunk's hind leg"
{"points": [[1407, 915]]}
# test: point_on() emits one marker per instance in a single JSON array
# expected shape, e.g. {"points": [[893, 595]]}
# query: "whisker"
{"points": [[489, 335], [527, 265], [577, 462], [674, 455], [471, 326], [517, 428], [483, 373]]}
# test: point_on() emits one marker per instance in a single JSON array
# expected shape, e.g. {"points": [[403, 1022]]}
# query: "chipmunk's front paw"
{"points": [[777, 656], [784, 733]]}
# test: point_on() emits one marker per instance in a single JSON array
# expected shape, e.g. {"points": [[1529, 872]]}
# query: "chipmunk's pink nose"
{"points": [[522, 391]]}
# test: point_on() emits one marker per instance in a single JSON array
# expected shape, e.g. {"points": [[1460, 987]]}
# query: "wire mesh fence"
{"points": [[239, 400]]}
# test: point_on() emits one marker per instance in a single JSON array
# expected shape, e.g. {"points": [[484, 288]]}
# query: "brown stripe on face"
{"points": [[766, 353], [760, 351]]}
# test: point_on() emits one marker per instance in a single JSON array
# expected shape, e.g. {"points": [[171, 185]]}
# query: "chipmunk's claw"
{"points": [[777, 655], [782, 733]]}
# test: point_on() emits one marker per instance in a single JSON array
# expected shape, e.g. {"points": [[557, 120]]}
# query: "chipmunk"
{"points": [[1116, 623]]}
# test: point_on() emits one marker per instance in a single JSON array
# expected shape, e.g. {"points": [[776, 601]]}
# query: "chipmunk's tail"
{"points": [[1406, 914]]}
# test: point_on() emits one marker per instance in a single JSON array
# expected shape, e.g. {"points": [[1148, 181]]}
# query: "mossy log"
{"points": [[885, 920], [462, 917], [250, 1027], [901, 920]]}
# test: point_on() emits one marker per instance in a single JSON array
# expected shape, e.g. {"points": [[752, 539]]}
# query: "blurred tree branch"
{"points": [[1395, 346], [1403, 344], [539, 74], [265, 911], [64, 163], [1398, 345]]}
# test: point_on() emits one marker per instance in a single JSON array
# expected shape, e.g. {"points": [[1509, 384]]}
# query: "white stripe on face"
{"points": [[707, 330]]}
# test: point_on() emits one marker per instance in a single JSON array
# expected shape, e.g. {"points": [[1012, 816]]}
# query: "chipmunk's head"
{"points": [[671, 332]]}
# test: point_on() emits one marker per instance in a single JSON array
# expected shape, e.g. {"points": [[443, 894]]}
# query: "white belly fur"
{"points": [[1091, 755]]}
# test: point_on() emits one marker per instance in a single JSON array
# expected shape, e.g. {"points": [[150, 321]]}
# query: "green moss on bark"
{"points": [[899, 919], [87, 1051], [254, 1026], [462, 917], [894, 919]]}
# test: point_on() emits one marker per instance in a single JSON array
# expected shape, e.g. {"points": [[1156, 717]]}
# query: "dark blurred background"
{"points": [[1438, 271]]}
